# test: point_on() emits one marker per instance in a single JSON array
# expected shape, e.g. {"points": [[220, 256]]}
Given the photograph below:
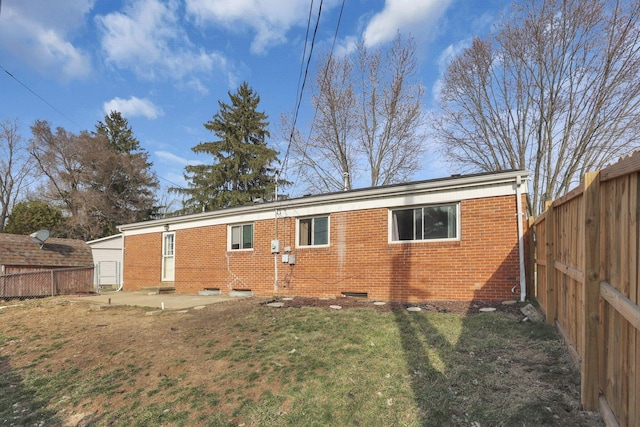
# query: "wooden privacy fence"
{"points": [[587, 284], [62, 281]]}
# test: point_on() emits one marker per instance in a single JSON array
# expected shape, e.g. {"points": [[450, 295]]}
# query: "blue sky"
{"points": [[165, 64]]}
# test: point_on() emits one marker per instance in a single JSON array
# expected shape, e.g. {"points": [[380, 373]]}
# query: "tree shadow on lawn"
{"points": [[22, 404], [488, 369]]}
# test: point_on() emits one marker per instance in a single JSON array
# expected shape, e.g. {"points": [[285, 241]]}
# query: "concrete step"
{"points": [[157, 290]]}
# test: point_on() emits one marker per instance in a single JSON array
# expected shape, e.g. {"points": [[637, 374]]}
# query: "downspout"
{"points": [[121, 266], [275, 255], [523, 281]]}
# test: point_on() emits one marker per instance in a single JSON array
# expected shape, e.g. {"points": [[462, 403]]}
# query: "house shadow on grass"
{"points": [[486, 368], [22, 405]]}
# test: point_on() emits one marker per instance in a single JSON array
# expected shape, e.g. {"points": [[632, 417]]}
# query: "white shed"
{"points": [[107, 256]]}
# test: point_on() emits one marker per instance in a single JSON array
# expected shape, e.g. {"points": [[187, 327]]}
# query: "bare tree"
{"points": [[555, 90], [96, 187], [329, 152], [389, 116], [368, 119], [15, 167], [59, 158]]}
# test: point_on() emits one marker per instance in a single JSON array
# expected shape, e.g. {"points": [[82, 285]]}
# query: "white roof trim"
{"points": [[104, 239], [446, 190]]}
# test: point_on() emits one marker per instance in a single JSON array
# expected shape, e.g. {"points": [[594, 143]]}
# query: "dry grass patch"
{"points": [[239, 362]]}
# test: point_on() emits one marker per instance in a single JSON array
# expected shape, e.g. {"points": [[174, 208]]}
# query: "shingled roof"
{"points": [[18, 250]]}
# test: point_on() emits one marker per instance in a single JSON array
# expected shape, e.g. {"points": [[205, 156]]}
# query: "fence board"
{"points": [[35, 284], [539, 229], [588, 269], [629, 310], [590, 293], [634, 349], [550, 257]]}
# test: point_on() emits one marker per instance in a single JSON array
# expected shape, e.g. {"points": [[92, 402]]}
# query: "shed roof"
{"points": [[21, 250]]}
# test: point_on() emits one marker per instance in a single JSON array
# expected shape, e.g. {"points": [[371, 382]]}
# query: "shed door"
{"points": [[168, 257]]}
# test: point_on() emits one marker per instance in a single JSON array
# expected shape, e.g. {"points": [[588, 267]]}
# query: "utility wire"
{"points": [[324, 81], [304, 81], [304, 50], [38, 96], [170, 182]]}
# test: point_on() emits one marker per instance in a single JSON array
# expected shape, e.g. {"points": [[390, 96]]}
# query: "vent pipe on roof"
{"points": [[345, 176]]}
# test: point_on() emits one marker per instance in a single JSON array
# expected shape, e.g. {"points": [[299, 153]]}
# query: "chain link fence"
{"points": [[45, 283]]}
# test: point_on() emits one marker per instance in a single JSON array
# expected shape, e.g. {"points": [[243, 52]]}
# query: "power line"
{"points": [[304, 50], [324, 80], [304, 81], [38, 96], [170, 182]]}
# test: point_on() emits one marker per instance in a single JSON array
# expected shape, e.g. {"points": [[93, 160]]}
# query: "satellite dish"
{"points": [[40, 237]]}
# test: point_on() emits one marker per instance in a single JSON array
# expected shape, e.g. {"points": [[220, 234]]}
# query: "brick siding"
{"points": [[482, 265]]}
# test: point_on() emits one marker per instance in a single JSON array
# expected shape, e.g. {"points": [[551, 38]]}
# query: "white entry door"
{"points": [[168, 257]]}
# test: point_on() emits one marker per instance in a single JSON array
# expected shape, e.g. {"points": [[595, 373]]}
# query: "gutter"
{"points": [[121, 266], [429, 186]]}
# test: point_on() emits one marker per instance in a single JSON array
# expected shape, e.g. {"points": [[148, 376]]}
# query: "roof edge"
{"points": [[438, 184]]}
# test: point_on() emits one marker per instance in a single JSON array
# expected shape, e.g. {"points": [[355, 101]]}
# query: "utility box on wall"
{"points": [[292, 259], [275, 246]]}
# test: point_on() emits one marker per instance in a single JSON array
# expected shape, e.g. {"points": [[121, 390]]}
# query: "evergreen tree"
{"points": [[124, 179], [242, 168], [31, 216], [118, 132], [98, 181]]}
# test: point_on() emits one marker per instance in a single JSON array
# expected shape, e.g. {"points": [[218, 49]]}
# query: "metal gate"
{"points": [[108, 275]]}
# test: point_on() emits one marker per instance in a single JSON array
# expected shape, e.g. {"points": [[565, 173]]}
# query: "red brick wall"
{"points": [[483, 265], [142, 261]]}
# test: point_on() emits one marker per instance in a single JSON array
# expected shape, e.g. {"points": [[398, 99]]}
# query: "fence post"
{"points": [[52, 278], [589, 369], [530, 258], [551, 268]]}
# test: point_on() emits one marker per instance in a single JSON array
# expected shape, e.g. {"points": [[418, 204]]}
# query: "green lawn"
{"points": [[258, 366]]}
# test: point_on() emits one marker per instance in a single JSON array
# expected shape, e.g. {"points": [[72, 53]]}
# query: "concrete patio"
{"points": [[145, 299]]}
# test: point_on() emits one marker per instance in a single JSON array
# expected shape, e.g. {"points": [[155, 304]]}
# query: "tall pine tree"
{"points": [[117, 130], [124, 178], [242, 169]]}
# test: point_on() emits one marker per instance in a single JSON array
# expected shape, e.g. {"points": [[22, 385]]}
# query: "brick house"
{"points": [[456, 238]]}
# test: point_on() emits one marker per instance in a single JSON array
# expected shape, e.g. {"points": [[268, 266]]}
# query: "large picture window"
{"points": [[241, 237], [313, 231], [425, 223]]}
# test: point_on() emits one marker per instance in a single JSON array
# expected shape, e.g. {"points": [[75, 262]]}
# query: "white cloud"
{"points": [[419, 18], [450, 52], [132, 107], [444, 59], [167, 157], [146, 37], [345, 46], [269, 20], [41, 33]]}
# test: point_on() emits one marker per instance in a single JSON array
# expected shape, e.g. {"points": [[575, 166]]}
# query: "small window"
{"points": [[425, 223], [241, 236], [313, 231]]}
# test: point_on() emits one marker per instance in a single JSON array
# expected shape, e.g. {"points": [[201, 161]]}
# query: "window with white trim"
{"points": [[425, 223], [241, 237], [313, 231]]}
